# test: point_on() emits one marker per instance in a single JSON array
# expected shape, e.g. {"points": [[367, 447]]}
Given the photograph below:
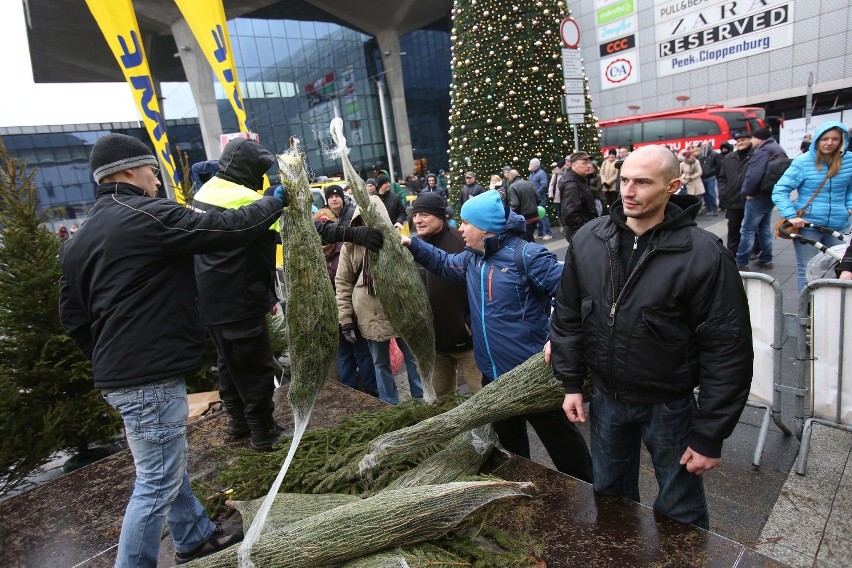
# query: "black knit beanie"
{"points": [[431, 203], [116, 152]]}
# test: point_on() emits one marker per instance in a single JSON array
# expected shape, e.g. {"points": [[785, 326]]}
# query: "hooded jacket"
{"points": [[678, 320], [128, 288], [507, 306], [237, 284], [831, 207]]}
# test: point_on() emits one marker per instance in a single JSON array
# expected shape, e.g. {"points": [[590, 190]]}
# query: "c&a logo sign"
{"points": [[619, 71]]}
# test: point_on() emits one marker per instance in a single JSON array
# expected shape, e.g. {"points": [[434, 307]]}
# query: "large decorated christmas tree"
{"points": [[507, 87]]}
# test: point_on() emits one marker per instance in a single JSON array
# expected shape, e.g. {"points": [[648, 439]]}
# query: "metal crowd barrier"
{"points": [[767, 324], [824, 308]]}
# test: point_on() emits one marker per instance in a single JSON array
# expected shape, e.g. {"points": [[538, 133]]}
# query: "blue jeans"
{"points": [[617, 429], [543, 227], [355, 358], [806, 252], [710, 194], [757, 219], [380, 350], [155, 424]]}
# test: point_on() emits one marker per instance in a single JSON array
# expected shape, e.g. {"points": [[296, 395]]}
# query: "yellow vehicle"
{"points": [[318, 189], [318, 192]]}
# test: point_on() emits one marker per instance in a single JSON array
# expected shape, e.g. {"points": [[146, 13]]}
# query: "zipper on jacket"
{"points": [[611, 325], [614, 308], [490, 281], [642, 261], [482, 317]]}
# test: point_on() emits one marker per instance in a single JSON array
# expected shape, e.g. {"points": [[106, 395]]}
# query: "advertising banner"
{"points": [[206, 19], [621, 70], [695, 34], [117, 21]]}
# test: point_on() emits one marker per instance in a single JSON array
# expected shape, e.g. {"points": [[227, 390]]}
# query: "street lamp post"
{"points": [[381, 90]]}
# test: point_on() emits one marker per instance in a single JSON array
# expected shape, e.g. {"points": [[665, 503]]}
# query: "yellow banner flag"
{"points": [[206, 19], [117, 21]]}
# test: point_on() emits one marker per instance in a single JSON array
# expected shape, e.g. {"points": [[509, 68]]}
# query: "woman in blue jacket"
{"points": [[827, 168]]}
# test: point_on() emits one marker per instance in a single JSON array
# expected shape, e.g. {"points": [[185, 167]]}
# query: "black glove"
{"points": [[349, 332], [364, 236], [280, 193]]}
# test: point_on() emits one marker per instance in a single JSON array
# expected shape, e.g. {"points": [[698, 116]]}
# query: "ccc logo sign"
{"points": [[618, 45]]}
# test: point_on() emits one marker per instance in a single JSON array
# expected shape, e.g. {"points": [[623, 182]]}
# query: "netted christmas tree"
{"points": [[507, 87], [47, 398]]}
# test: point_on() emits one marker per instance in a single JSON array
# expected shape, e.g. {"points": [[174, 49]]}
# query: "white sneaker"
{"points": [[547, 237]]}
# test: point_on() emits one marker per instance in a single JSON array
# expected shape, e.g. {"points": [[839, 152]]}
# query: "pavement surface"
{"points": [[803, 521], [799, 520]]}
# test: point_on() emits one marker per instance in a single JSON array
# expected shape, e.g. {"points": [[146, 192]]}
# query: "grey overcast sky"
{"points": [[24, 103]]}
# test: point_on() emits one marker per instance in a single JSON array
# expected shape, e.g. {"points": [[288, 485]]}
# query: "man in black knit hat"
{"points": [[450, 309], [340, 204], [128, 301]]}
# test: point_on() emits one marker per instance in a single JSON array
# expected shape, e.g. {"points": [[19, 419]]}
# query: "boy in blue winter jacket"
{"points": [[510, 283]]}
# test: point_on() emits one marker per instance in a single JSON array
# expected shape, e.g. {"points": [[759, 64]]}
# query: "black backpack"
{"points": [[778, 164]]}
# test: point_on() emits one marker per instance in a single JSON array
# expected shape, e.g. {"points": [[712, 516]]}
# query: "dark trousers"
{"points": [[529, 232], [619, 428], [354, 360], [735, 221], [245, 368], [562, 440]]}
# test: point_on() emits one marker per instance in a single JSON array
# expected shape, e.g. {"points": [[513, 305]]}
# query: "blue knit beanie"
{"points": [[485, 211]]}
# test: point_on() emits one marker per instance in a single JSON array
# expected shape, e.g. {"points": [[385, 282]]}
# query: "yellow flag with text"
{"points": [[117, 21], [206, 19]]}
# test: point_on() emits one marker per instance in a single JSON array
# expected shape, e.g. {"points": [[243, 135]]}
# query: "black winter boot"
{"points": [[265, 434], [238, 427]]}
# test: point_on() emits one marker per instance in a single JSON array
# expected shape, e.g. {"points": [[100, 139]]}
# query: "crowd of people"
{"points": [[647, 305]]}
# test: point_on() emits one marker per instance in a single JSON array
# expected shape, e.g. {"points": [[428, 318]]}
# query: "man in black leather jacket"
{"points": [[128, 300], [653, 306], [578, 200]]}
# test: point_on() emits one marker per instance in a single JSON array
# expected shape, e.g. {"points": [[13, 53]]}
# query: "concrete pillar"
{"points": [[200, 78], [389, 48]]}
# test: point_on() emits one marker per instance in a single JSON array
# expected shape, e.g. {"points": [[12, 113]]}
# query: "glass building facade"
{"points": [[296, 75], [298, 67], [60, 157]]}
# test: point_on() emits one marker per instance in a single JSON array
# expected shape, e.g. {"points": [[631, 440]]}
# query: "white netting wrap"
{"points": [[387, 520], [290, 507], [463, 457], [399, 287], [311, 308], [311, 317], [530, 387], [380, 560]]}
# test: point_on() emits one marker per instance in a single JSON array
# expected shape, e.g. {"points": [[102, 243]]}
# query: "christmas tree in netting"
{"points": [[507, 87]]}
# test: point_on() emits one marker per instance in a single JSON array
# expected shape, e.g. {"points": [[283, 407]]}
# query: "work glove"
{"points": [[349, 332], [280, 193], [364, 236]]}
